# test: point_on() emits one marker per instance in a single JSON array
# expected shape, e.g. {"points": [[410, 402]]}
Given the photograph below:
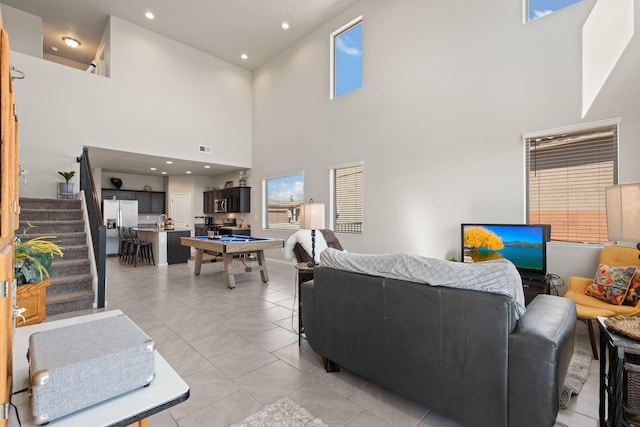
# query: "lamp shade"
{"points": [[312, 216], [623, 212]]}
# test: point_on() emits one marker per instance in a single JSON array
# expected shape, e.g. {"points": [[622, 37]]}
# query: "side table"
{"points": [[305, 273], [615, 352]]}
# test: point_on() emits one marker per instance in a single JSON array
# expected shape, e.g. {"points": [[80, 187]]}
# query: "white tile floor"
{"points": [[238, 351]]}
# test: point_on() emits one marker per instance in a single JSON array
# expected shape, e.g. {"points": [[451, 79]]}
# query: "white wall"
{"points": [[448, 91], [163, 98], [24, 29]]}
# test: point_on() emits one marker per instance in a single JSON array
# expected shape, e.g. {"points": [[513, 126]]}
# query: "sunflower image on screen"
{"points": [[481, 244]]}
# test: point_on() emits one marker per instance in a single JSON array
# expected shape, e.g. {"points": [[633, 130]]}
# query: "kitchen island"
{"points": [[166, 244]]}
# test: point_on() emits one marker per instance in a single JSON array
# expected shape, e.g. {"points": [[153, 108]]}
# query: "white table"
{"points": [[166, 390]]}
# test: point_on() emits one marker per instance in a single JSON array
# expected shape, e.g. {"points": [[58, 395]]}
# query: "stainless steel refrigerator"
{"points": [[118, 213]]}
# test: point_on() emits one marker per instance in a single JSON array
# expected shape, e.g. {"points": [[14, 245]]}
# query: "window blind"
{"points": [[566, 179], [348, 199]]}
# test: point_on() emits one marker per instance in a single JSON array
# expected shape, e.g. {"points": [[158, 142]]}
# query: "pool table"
{"points": [[230, 245]]}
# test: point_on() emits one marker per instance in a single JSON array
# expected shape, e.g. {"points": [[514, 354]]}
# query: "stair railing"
{"points": [[97, 227]]}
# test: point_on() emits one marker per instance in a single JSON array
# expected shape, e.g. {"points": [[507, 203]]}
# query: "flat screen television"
{"points": [[523, 244]]}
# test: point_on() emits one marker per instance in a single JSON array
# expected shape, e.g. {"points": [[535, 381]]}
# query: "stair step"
{"points": [[61, 267], [70, 284], [75, 251], [50, 214], [63, 239], [65, 303], [51, 227], [35, 203]]}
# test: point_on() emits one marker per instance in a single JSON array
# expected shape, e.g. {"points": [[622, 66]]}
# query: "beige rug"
{"points": [[579, 367], [282, 413]]}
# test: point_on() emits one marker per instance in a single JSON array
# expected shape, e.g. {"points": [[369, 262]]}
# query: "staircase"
{"points": [[71, 280]]}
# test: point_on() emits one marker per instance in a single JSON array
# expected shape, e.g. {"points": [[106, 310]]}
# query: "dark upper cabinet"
{"points": [[207, 201], [158, 202], [148, 201], [238, 199], [144, 201]]}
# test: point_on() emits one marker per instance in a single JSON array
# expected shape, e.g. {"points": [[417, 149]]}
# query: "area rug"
{"points": [[579, 367], [282, 413]]}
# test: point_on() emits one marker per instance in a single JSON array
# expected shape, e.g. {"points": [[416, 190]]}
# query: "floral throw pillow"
{"points": [[633, 295], [611, 284]]}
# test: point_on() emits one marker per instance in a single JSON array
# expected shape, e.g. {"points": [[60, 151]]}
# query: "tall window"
{"points": [[282, 198], [347, 198], [539, 8], [567, 172], [346, 58]]}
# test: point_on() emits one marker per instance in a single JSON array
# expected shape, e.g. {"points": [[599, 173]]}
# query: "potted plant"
{"points": [[244, 174], [65, 189], [32, 268]]}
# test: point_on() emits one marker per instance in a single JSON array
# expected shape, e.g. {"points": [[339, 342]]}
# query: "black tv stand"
{"points": [[533, 287]]}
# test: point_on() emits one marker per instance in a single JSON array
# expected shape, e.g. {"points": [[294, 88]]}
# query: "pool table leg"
{"points": [[198, 265], [263, 266], [228, 270]]}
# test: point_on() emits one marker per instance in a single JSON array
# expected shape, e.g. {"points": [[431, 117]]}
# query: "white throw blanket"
{"points": [[304, 238], [499, 276]]}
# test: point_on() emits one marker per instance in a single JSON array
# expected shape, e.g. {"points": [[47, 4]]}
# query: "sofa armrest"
{"points": [[540, 349]]}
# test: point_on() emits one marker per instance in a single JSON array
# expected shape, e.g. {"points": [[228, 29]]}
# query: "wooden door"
{"points": [[9, 211]]}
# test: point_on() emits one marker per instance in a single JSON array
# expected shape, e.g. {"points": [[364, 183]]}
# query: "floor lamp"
{"points": [[312, 217], [623, 212]]}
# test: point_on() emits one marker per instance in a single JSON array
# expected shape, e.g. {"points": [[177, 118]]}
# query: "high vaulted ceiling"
{"points": [[223, 28]]}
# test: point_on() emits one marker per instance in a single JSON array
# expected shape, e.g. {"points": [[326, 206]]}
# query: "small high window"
{"points": [[346, 58], [282, 198], [539, 8]]}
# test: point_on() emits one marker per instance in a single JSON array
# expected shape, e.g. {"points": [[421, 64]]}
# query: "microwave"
{"points": [[220, 205]]}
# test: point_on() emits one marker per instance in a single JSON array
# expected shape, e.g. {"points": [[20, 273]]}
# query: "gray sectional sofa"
{"points": [[464, 353]]}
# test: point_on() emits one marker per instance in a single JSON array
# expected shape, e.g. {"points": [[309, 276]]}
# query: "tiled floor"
{"points": [[238, 351]]}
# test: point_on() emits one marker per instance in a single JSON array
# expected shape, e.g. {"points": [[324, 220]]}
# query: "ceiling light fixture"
{"points": [[188, 172], [53, 48], [244, 56], [149, 15], [71, 42], [163, 173], [285, 26], [153, 169], [207, 166], [169, 162]]}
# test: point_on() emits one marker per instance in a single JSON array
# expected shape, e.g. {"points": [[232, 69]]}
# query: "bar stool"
{"points": [[125, 243], [140, 249]]}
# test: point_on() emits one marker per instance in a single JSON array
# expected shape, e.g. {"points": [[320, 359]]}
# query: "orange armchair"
{"points": [[588, 307]]}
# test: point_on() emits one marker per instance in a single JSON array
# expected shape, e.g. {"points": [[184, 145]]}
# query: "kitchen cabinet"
{"points": [[207, 202], [238, 199], [148, 201]]}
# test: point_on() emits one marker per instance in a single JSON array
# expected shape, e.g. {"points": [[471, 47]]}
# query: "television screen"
{"points": [[524, 245]]}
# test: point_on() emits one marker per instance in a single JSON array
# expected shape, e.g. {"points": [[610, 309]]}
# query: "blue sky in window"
{"points": [[348, 57], [540, 8], [285, 187]]}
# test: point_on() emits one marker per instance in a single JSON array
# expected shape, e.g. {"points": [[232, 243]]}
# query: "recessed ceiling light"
{"points": [[153, 169], [169, 162], [149, 15], [71, 42], [207, 166], [244, 56], [53, 48], [285, 25], [188, 172], [163, 173]]}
